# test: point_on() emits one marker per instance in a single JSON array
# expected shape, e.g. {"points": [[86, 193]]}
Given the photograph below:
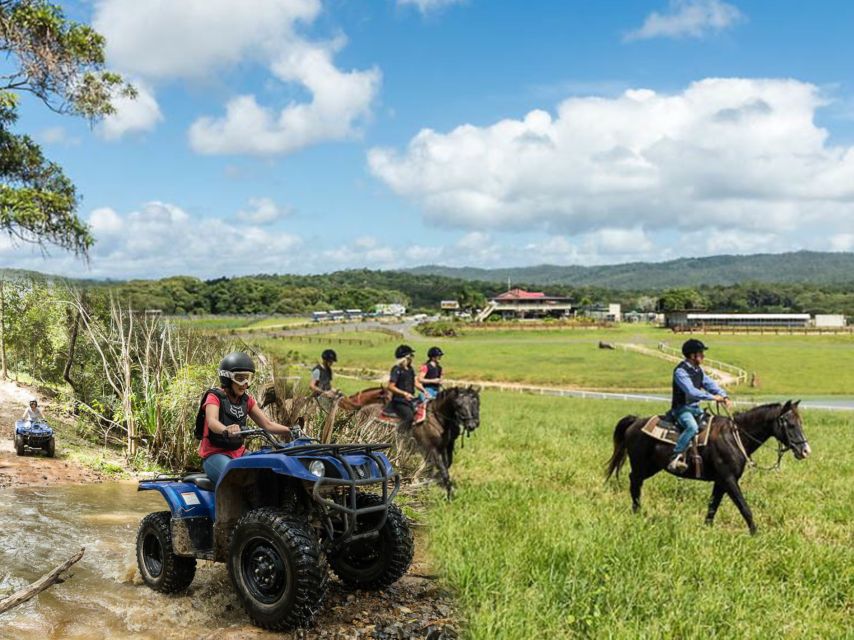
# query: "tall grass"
{"points": [[537, 545]]}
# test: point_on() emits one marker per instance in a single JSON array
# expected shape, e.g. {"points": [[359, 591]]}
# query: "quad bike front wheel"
{"points": [[160, 568], [19, 445], [277, 568], [375, 563], [50, 448]]}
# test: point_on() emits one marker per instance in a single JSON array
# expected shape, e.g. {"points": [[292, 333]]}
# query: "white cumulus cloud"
{"points": [[163, 40], [133, 115], [740, 154], [263, 211], [428, 6], [688, 18], [340, 100]]}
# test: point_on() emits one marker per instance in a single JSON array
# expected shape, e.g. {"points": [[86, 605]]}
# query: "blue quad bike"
{"points": [[280, 518], [37, 436]]}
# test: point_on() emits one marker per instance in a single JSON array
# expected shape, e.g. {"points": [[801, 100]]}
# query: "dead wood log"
{"points": [[39, 585]]}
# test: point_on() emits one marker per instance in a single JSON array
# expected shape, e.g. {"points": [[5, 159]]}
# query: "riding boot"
{"points": [[677, 464]]}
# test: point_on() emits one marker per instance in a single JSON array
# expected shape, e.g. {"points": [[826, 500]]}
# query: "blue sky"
{"points": [[392, 133]]}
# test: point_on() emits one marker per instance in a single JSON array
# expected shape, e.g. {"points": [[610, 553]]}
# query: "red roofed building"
{"points": [[519, 303]]}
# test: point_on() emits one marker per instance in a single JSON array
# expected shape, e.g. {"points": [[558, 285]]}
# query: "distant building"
{"points": [[519, 304], [830, 321], [604, 312], [699, 320], [392, 309], [450, 305]]}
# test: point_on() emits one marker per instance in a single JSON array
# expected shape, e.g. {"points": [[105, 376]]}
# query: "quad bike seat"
{"points": [[200, 480]]}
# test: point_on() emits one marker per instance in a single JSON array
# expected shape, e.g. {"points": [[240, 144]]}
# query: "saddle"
{"points": [[665, 429], [393, 420]]}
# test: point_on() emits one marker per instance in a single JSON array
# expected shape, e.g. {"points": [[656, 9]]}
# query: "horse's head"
{"points": [[466, 404], [789, 430]]}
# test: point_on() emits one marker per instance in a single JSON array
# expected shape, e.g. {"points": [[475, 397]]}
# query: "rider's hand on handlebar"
{"points": [[233, 430]]}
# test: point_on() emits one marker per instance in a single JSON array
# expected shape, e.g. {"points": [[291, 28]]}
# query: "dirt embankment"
{"points": [[33, 469]]}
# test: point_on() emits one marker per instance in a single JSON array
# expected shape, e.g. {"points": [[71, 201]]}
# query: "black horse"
{"points": [[731, 442], [453, 412]]}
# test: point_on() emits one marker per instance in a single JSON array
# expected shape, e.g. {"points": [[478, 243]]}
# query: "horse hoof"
{"points": [[709, 522]]}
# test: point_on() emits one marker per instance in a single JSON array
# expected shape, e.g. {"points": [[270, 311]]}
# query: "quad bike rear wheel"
{"points": [[375, 563], [19, 444], [277, 568], [160, 568]]}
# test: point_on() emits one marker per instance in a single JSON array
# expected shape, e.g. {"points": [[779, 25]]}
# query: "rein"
{"points": [[781, 448]]}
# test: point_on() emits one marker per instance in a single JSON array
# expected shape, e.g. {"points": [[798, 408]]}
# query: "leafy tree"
{"points": [[61, 63]]}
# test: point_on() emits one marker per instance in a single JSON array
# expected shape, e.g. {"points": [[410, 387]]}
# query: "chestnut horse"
{"points": [[731, 442]]}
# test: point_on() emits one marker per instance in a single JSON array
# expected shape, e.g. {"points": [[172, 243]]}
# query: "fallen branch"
{"points": [[39, 585]]}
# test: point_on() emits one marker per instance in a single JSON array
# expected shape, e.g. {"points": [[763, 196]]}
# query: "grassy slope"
{"points": [[566, 358], [537, 546], [786, 365]]}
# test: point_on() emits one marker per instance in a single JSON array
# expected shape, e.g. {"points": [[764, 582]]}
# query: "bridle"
{"points": [[781, 428]]}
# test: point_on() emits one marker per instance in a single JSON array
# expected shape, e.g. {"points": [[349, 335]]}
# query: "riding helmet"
{"points": [[403, 350], [235, 361], [693, 346], [329, 356], [435, 352]]}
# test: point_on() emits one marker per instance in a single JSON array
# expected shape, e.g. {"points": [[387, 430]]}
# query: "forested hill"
{"points": [[803, 267]]}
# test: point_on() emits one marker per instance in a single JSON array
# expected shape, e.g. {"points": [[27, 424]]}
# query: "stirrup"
{"points": [[677, 464]]}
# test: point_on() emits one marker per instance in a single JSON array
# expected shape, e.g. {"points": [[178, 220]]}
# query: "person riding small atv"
{"points": [[279, 517], [35, 435]]}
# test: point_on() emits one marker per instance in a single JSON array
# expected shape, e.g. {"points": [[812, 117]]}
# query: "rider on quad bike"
{"points": [[33, 413], [224, 411]]}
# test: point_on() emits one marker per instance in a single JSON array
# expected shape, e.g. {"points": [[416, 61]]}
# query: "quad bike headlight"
{"points": [[317, 468]]}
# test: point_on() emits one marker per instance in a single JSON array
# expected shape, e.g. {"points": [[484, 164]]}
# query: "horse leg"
{"points": [[734, 492], [717, 495], [439, 462], [635, 484]]}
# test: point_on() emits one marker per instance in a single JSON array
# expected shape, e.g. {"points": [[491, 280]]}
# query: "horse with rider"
{"points": [[413, 403]]}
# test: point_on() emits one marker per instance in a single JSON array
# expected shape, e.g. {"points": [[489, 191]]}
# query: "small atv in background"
{"points": [[37, 436], [280, 518]]}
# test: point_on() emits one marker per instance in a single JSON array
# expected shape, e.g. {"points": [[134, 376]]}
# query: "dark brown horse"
{"points": [[455, 411], [451, 413], [731, 442]]}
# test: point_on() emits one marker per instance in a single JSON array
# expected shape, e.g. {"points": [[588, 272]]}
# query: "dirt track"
{"points": [[33, 469]]}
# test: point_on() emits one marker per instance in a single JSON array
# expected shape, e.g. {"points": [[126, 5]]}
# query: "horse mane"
{"points": [[762, 413]]}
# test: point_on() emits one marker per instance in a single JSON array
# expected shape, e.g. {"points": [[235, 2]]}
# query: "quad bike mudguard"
{"points": [[192, 514]]}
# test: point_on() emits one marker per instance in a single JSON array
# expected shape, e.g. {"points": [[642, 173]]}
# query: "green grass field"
{"points": [[536, 545], [785, 365], [570, 358]]}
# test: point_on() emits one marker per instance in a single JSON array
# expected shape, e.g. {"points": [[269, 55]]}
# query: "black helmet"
{"points": [[329, 355], [435, 352], [693, 346], [235, 361], [403, 350]]}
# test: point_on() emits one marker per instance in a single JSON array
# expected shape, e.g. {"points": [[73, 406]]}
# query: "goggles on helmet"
{"points": [[243, 378]]}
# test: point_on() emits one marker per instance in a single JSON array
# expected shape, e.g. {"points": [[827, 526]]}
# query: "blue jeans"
{"points": [[686, 417], [214, 465], [431, 392]]}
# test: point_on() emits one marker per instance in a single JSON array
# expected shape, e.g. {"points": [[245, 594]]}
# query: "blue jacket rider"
{"points": [[691, 386]]}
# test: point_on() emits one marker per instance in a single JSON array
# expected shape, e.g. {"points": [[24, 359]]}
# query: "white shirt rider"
{"points": [[33, 413]]}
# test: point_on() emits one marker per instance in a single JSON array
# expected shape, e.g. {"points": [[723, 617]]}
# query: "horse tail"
{"points": [[619, 455]]}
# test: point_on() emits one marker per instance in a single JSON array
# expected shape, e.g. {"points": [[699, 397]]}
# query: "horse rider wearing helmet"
{"points": [[691, 386], [402, 385], [225, 410], [321, 379], [430, 374]]}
